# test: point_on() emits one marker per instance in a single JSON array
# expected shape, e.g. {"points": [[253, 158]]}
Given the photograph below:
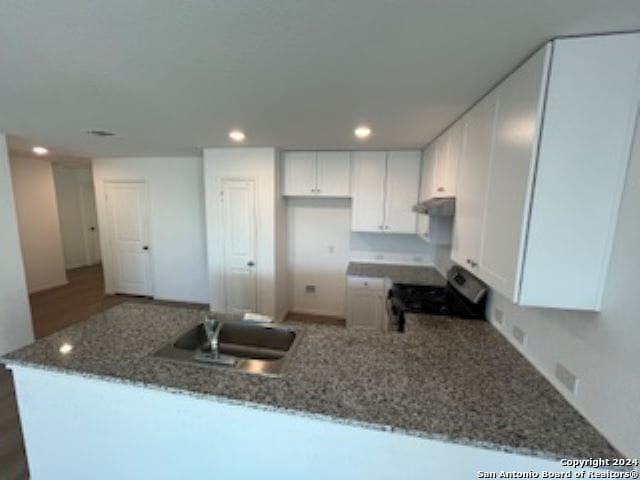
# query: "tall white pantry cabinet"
{"points": [[541, 173]]}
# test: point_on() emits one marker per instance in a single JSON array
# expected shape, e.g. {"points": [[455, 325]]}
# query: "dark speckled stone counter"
{"points": [[421, 275], [452, 380]]}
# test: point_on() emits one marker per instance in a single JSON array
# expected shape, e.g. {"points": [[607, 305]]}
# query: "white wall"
{"points": [[15, 315], [38, 222], [69, 181], [391, 248], [318, 236], [243, 163], [177, 227], [601, 349]]}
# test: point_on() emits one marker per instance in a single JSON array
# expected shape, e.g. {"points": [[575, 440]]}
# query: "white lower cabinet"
{"points": [[536, 207], [366, 303]]}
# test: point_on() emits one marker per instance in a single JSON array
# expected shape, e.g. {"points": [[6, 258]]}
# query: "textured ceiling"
{"points": [[171, 77]]}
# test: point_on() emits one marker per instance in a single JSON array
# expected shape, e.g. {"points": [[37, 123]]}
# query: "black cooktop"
{"points": [[434, 300]]}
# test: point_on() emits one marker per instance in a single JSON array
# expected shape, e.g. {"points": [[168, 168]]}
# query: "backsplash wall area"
{"points": [[321, 244]]}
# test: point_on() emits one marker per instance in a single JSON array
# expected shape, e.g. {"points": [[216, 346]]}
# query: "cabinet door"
{"points": [[369, 172], [455, 141], [441, 151], [472, 183], [426, 187], [520, 99], [366, 309], [334, 174], [299, 173], [403, 179]]}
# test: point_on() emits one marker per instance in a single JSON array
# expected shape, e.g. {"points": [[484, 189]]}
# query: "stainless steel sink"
{"points": [[243, 345]]}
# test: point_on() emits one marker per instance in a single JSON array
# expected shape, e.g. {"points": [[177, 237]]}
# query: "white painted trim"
{"points": [[49, 286], [321, 313]]}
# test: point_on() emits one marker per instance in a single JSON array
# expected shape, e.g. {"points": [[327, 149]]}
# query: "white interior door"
{"points": [[128, 217], [239, 230], [90, 224]]}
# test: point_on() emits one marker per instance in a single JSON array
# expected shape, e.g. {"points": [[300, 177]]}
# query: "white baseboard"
{"points": [[180, 300], [322, 313], [41, 288]]}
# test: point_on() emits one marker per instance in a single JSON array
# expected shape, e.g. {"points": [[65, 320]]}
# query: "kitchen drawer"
{"points": [[368, 283]]}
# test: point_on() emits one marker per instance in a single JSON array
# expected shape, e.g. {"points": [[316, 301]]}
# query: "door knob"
{"points": [[146, 247], [92, 229], [250, 263]]}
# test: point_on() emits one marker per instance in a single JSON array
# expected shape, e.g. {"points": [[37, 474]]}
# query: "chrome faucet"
{"points": [[212, 331]]}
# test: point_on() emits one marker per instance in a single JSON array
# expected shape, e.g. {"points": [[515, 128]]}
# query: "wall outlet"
{"points": [[310, 289], [497, 315], [566, 377], [519, 335]]}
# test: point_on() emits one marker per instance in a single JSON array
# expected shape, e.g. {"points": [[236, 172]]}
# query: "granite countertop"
{"points": [[415, 274], [453, 380]]}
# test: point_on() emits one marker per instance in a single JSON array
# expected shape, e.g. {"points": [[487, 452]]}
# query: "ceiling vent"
{"points": [[101, 133]]}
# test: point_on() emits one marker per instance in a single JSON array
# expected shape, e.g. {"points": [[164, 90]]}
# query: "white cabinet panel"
{"points": [[590, 114], [299, 173], [510, 174], [426, 188], [366, 303], [334, 174], [447, 152], [403, 177], [369, 174], [449, 173], [472, 183]]}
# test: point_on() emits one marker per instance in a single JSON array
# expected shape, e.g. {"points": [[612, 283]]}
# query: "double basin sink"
{"points": [[243, 345]]}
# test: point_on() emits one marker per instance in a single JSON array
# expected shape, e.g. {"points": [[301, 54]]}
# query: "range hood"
{"points": [[437, 207]]}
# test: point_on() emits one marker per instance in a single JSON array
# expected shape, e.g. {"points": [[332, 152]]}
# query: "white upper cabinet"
{"points": [[447, 152], [299, 173], [369, 177], [403, 177], [324, 174], [537, 206], [510, 174], [334, 174], [426, 188], [385, 188], [472, 182]]}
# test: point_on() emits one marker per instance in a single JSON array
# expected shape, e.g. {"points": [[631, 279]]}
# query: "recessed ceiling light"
{"points": [[38, 150], [65, 348], [237, 135], [362, 132]]}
